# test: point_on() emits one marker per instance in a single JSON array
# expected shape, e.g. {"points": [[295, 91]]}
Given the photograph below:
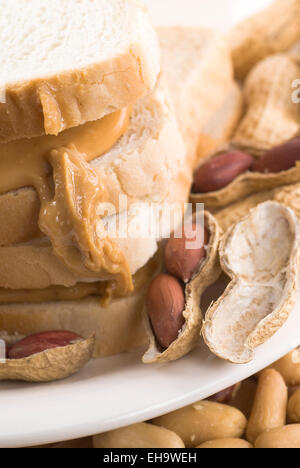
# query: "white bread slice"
{"points": [[198, 66], [67, 62], [118, 327]]}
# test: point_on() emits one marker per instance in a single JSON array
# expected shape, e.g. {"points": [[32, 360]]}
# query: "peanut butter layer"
{"points": [[69, 191], [105, 290], [52, 294]]}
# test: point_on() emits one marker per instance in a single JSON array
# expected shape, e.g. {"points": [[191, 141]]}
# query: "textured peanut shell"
{"points": [[244, 185], [52, 364], [287, 195], [188, 337], [269, 31], [261, 256], [271, 116], [236, 211]]}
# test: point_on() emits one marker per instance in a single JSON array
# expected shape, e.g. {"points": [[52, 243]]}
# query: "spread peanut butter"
{"points": [[70, 190]]}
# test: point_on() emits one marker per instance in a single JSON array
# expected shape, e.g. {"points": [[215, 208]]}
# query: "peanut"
{"points": [[86, 442], [220, 171], [165, 305], [204, 421], [294, 408], [182, 262], [226, 443], [141, 435], [244, 397], [269, 408], [281, 158], [292, 390], [289, 367], [282, 437], [225, 396], [39, 342]]}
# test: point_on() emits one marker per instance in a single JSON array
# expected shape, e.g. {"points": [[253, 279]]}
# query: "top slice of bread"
{"points": [[67, 62]]}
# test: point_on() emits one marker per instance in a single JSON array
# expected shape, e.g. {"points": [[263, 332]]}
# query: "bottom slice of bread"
{"points": [[118, 327]]}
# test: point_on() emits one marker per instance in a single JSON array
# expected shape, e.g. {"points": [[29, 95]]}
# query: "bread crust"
{"points": [[54, 103]]}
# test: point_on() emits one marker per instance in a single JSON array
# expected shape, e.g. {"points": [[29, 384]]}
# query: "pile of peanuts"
{"points": [[260, 412]]}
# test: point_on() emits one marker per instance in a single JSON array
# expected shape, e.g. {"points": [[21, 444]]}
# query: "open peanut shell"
{"points": [[245, 185], [261, 256], [52, 364], [208, 273]]}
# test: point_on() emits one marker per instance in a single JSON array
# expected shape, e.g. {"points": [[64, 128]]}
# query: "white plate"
{"points": [[117, 391]]}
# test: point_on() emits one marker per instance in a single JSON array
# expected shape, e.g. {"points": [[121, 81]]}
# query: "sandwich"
{"points": [[91, 114]]}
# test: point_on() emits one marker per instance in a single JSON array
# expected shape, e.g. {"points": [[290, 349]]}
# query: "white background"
{"points": [[216, 13]]}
